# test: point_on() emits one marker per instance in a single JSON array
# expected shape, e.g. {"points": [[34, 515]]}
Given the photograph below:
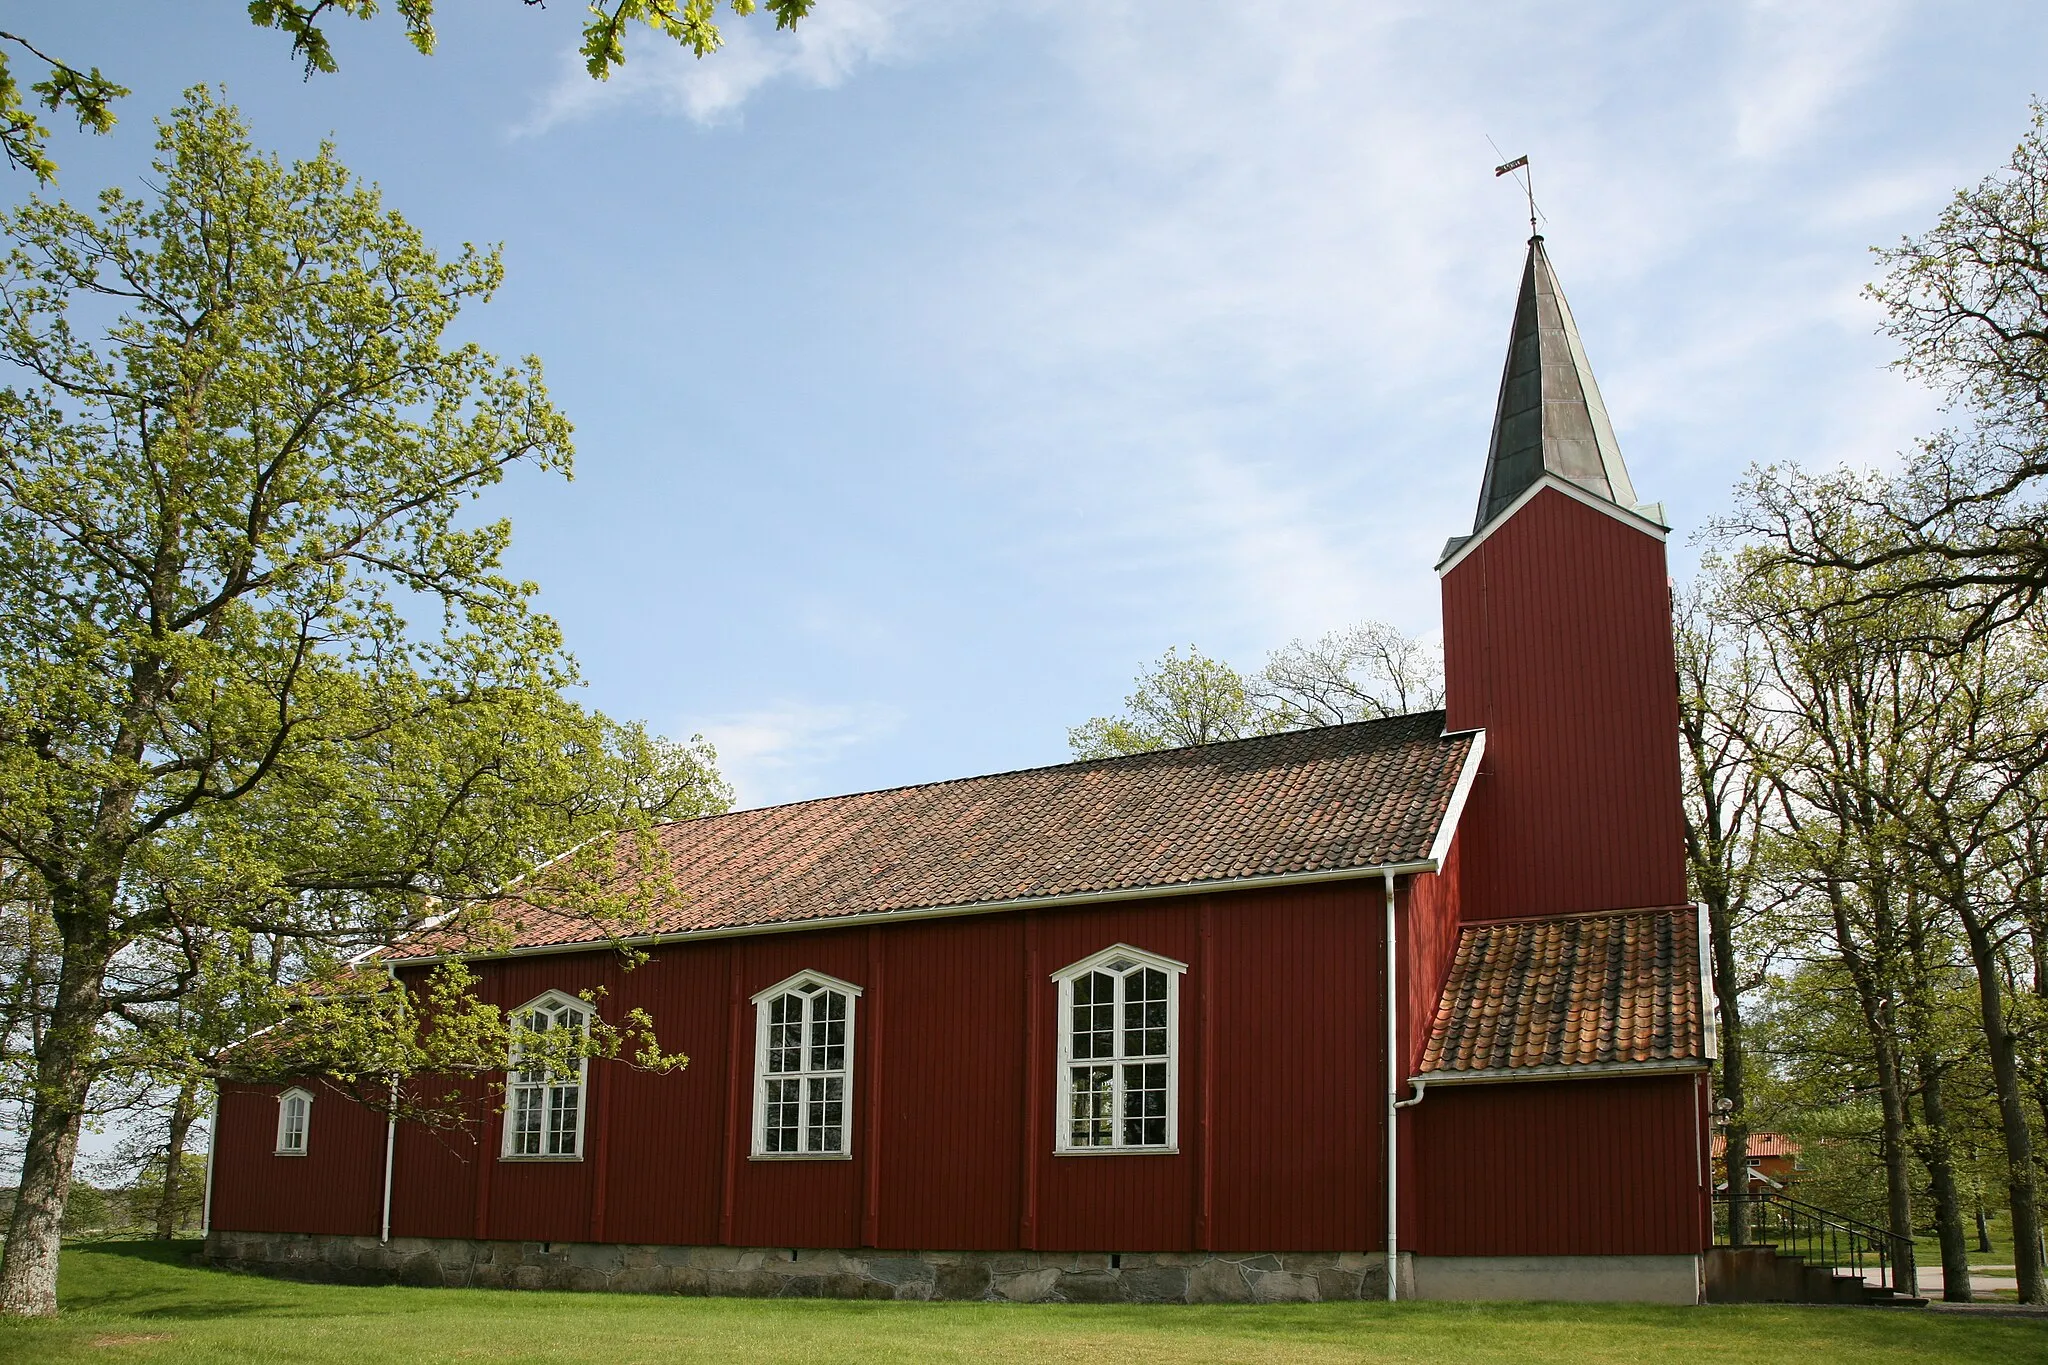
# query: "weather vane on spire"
{"points": [[1528, 182]]}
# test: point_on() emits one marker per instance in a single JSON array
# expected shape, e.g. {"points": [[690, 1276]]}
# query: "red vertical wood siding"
{"points": [[435, 1173], [1430, 906], [1280, 1026], [1558, 1168], [1300, 1069], [1280, 1049], [665, 1165], [336, 1187], [951, 1169], [1557, 640]]}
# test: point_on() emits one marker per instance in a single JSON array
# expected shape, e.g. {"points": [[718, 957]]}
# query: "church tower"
{"points": [[1557, 642]]}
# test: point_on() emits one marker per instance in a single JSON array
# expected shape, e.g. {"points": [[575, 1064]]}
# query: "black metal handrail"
{"points": [[1820, 1236]]}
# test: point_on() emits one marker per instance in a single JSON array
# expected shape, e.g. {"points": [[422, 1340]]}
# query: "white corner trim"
{"points": [[1528, 495], [789, 983], [1454, 809], [1710, 1003]]}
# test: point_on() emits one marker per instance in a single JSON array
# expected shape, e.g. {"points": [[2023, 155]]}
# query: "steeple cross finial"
{"points": [[1528, 180]]}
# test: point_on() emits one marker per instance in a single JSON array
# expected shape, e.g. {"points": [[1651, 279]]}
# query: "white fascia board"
{"points": [[1591, 1071], [1570, 490], [1710, 1003], [1342, 874], [1440, 848]]}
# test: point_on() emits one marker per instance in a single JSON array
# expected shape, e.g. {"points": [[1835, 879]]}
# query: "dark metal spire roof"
{"points": [[1550, 418]]}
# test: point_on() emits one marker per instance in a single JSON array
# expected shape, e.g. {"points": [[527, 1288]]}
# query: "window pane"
{"points": [[1094, 1015], [786, 1033], [1145, 1105], [828, 1032], [780, 1117], [526, 1101], [825, 1119], [1093, 1107], [1145, 1013], [563, 1102], [294, 1124]]}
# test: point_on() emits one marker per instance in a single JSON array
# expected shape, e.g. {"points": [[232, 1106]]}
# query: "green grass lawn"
{"points": [[145, 1301], [1927, 1250]]}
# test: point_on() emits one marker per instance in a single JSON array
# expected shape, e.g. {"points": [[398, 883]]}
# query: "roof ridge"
{"points": [[1131, 759]]}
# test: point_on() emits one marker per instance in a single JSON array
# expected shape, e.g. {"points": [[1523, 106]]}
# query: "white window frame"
{"points": [[1063, 1089], [284, 1112], [813, 986], [551, 1003]]}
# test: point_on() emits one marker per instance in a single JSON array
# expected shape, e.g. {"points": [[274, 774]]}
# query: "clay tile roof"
{"points": [[1620, 988], [1761, 1145], [1330, 799]]}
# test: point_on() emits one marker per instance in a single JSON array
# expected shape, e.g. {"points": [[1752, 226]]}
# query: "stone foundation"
{"points": [[757, 1272]]}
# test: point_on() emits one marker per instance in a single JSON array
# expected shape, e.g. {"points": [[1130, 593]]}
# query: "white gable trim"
{"points": [[1137, 956], [804, 978], [554, 1000], [1570, 490], [1454, 809]]}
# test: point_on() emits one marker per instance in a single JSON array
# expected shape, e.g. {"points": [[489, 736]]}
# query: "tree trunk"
{"points": [[1734, 1064], [1941, 1179], [183, 1112], [1875, 1005], [2012, 1112], [1983, 1229], [28, 1267]]}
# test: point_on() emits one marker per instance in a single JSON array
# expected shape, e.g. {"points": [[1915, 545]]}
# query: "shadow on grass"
{"points": [[181, 1251], [126, 1279]]}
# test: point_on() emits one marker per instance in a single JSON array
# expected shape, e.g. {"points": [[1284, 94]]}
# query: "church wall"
{"points": [[1557, 640], [336, 1187], [1430, 915], [1607, 1167], [1280, 1082]]}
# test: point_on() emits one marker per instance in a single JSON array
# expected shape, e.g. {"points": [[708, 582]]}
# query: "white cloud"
{"points": [[784, 751], [1800, 60], [1241, 342], [831, 44]]}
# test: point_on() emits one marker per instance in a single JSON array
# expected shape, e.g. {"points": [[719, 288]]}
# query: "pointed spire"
{"points": [[1550, 418]]}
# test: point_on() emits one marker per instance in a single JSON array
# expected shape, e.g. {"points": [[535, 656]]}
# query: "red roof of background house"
{"points": [[1615, 988], [1330, 799], [1761, 1145]]}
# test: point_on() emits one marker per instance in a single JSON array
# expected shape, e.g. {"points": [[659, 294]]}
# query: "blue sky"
{"points": [[936, 366]]}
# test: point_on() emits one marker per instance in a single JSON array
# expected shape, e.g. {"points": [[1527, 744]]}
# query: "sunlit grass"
{"points": [[146, 1301]]}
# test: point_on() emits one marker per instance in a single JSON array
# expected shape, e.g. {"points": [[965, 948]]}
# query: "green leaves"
{"points": [[266, 692], [87, 94]]}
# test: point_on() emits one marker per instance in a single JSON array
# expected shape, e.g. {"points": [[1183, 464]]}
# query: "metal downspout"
{"points": [[212, 1146], [1393, 979], [390, 1146]]}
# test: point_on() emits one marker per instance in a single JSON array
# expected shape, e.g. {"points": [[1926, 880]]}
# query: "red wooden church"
{"points": [[1249, 1020]]}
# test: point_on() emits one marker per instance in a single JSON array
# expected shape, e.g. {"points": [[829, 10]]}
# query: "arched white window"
{"points": [[294, 1118], [1119, 1052], [544, 1100], [803, 1067]]}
